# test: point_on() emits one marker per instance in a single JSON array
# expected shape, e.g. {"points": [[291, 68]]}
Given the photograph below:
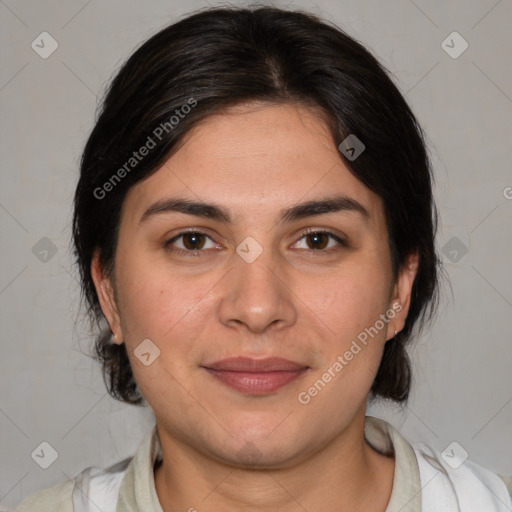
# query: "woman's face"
{"points": [[249, 281]]}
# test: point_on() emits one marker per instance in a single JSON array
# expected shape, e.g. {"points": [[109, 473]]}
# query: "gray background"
{"points": [[51, 390]]}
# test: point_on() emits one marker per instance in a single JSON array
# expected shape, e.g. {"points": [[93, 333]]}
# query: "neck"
{"points": [[346, 475]]}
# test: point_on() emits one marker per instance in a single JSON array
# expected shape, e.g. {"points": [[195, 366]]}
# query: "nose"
{"points": [[258, 296]]}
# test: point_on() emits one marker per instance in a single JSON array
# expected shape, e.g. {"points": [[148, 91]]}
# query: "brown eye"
{"points": [[192, 242], [320, 241]]}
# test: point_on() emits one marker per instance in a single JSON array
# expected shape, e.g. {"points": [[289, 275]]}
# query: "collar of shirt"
{"points": [[138, 492]]}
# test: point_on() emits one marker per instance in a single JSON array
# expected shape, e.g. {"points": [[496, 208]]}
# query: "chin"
{"points": [[262, 456], [261, 450]]}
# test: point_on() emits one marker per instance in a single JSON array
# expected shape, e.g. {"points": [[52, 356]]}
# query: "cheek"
{"points": [[349, 299], [159, 305], [172, 314]]}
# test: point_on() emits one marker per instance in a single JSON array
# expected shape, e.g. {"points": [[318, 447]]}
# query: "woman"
{"points": [[255, 221]]}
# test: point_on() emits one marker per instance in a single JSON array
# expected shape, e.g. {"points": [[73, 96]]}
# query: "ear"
{"points": [[106, 296], [401, 294]]}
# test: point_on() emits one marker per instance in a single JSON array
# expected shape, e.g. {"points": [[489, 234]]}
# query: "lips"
{"points": [[255, 376], [247, 364]]}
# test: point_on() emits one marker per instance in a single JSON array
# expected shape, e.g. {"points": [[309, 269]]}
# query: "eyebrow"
{"points": [[339, 203]]}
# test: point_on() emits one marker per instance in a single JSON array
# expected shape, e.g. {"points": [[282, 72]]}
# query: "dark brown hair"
{"points": [[217, 58]]}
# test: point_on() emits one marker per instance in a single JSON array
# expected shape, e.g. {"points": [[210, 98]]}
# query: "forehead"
{"points": [[255, 159]]}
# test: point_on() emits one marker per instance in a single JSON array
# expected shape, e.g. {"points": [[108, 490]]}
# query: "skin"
{"points": [[293, 301]]}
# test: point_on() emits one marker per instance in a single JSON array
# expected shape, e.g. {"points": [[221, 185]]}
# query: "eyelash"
{"points": [[199, 252]]}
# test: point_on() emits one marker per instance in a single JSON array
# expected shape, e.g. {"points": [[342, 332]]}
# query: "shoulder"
{"points": [[508, 482], [54, 499], [450, 481], [93, 489]]}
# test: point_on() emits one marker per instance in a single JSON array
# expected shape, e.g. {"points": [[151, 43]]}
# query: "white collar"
{"points": [[423, 481]]}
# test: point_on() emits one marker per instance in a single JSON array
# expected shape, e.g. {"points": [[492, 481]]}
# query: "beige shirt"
{"points": [[137, 490]]}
